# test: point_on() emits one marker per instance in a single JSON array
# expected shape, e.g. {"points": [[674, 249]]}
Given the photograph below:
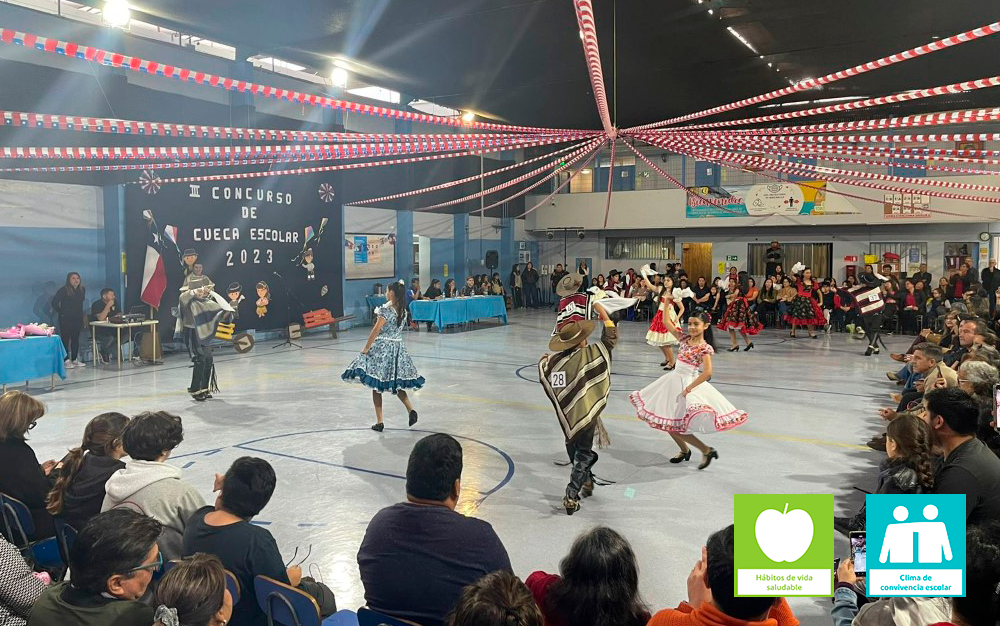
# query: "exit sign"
{"points": [[732, 257], [850, 259]]}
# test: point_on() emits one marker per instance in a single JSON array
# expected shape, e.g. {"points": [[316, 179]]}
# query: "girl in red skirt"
{"points": [[658, 334], [739, 318], [804, 309]]}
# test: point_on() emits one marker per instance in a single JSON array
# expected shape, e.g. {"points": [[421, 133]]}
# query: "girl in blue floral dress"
{"points": [[384, 365]]}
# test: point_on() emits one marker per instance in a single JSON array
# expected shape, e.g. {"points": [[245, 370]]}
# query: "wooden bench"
{"points": [[323, 317]]}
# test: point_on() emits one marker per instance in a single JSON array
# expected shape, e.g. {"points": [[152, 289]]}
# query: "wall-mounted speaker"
{"points": [[492, 259]]}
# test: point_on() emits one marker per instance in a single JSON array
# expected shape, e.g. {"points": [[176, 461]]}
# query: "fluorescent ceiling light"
{"points": [[339, 77], [376, 93], [468, 116], [430, 108], [742, 39], [116, 13]]}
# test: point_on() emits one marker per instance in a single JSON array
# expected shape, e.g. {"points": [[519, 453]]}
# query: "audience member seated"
{"points": [[111, 563], [967, 331], [969, 467], [151, 486], [244, 549], [880, 612], [101, 311], [979, 607], [20, 588], [425, 534], [79, 489], [978, 379], [927, 372], [194, 593], [599, 584], [908, 468], [712, 597], [434, 291], [21, 476], [497, 599]]}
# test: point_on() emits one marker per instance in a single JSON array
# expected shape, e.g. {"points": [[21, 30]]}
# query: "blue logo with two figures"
{"points": [[916, 545]]}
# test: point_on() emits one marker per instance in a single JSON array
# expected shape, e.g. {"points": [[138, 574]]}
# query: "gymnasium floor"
{"points": [[811, 402]]}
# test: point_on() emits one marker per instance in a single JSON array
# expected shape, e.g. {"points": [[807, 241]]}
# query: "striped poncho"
{"points": [[577, 383], [203, 314]]}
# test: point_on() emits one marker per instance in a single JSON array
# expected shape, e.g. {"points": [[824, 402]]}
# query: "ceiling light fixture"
{"points": [[711, 12], [116, 13], [468, 116], [743, 40], [581, 33], [339, 77], [769, 64]]}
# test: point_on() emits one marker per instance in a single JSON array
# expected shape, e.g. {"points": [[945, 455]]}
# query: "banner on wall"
{"points": [[278, 239], [807, 198], [369, 256], [897, 205]]}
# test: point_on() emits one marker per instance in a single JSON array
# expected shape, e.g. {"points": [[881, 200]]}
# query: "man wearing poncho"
{"points": [[577, 380], [201, 310]]}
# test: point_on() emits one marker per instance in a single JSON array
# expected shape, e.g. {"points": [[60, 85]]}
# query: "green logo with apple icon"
{"points": [[784, 544]]}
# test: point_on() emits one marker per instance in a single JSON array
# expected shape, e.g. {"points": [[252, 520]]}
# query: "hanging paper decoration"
{"points": [[149, 181], [326, 192]]}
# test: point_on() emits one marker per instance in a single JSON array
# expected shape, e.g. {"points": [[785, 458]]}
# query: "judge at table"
{"points": [[104, 310]]}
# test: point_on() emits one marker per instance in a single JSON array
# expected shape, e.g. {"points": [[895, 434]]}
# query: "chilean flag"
{"points": [[154, 276]]}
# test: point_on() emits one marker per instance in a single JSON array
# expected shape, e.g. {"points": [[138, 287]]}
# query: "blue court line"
{"points": [[485, 494], [188, 464]]}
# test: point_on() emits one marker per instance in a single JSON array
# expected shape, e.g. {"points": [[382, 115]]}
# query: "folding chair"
{"points": [[368, 617], [65, 536], [18, 526], [287, 606], [232, 584]]}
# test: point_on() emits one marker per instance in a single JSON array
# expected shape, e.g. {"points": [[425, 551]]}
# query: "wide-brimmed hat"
{"points": [[197, 282], [571, 334], [569, 284]]}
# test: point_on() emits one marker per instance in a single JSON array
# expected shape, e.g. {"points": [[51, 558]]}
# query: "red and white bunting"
{"points": [[906, 96], [153, 68], [588, 29], [167, 129], [912, 53], [467, 179], [320, 151], [932, 119], [830, 174], [523, 177]]}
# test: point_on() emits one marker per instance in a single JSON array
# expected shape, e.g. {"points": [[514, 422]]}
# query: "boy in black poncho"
{"points": [[201, 310]]}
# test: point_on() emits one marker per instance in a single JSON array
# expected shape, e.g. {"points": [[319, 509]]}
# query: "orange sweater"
{"points": [[707, 615]]}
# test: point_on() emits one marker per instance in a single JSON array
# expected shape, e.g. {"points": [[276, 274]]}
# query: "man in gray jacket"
{"points": [[148, 484]]}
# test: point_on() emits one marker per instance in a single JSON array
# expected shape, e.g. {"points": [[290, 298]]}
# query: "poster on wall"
{"points": [[274, 241], [806, 198], [369, 255], [898, 205]]}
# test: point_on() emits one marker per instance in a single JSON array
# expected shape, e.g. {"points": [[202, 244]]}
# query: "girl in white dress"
{"points": [[659, 334], [683, 402]]}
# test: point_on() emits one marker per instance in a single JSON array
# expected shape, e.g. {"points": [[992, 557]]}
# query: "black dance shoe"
{"points": [[378, 427], [681, 457], [734, 349], [749, 347], [413, 418], [588, 488], [712, 454], [571, 505], [201, 397]]}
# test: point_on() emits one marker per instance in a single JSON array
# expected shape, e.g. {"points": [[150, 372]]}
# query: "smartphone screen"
{"points": [[859, 552], [996, 403]]}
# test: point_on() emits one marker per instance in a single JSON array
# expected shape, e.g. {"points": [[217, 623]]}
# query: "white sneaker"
{"points": [[70, 365], [80, 363]]}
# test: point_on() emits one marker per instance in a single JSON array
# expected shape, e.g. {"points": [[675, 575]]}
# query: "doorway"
{"points": [[696, 259], [590, 266]]}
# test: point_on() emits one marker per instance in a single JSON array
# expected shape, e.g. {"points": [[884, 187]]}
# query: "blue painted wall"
{"points": [[36, 261]]}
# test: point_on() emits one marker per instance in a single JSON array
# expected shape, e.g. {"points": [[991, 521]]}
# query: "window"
{"points": [[816, 256], [639, 248], [910, 253], [582, 183]]}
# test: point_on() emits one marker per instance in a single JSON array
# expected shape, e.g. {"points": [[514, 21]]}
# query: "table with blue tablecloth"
{"points": [[30, 358], [458, 310]]}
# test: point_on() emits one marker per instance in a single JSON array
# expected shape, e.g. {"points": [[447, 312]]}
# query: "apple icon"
{"points": [[785, 536]]}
